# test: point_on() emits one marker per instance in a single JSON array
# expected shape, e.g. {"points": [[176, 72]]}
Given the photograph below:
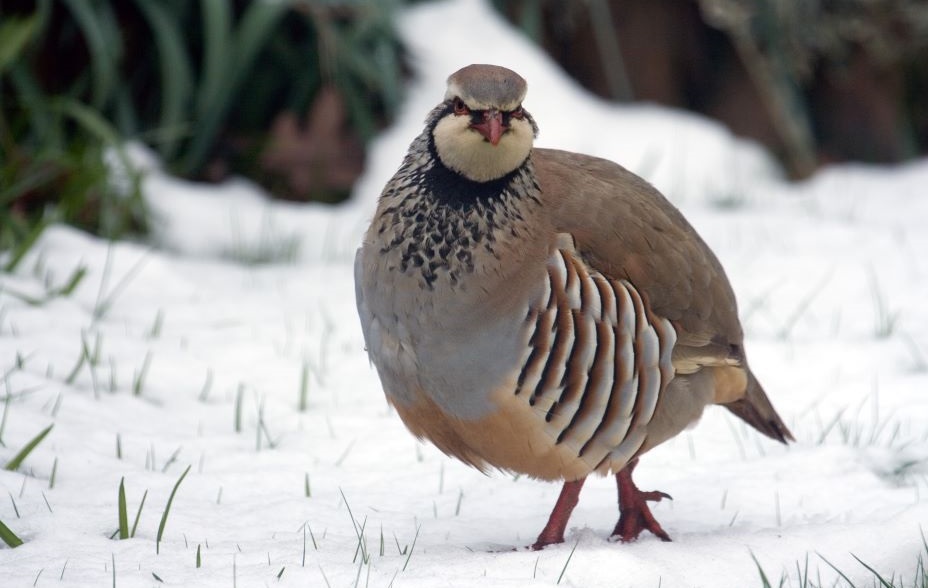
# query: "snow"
{"points": [[831, 275]]}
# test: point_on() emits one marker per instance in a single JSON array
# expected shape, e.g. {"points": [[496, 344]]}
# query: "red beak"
{"points": [[492, 126]]}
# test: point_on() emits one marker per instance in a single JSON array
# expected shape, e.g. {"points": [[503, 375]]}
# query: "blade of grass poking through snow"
{"points": [[24, 246], [138, 380], [304, 387], [566, 563], [204, 392], [138, 514], [81, 360], [239, 396], [51, 478], [6, 411], [18, 459], [156, 326], [840, 573], [71, 284], [199, 560], [167, 510], [760, 570], [105, 302], [874, 572], [123, 514], [413, 546], [9, 537]]}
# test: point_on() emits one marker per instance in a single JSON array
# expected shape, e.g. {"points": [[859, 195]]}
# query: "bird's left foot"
{"points": [[634, 514]]}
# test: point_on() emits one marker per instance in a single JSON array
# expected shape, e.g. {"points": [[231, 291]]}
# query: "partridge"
{"points": [[544, 312]]}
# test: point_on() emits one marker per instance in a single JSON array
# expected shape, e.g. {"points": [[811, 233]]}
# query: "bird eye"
{"points": [[518, 112], [460, 107]]}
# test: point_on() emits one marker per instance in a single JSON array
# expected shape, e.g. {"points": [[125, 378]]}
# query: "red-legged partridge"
{"points": [[544, 312]]}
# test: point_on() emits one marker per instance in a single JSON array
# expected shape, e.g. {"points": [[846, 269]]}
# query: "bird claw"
{"points": [[542, 543], [634, 514], [637, 517]]}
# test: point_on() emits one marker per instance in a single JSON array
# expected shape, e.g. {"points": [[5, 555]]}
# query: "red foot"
{"points": [[634, 514], [557, 522]]}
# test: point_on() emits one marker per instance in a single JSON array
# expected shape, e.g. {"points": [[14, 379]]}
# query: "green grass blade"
{"points": [[566, 563], [416, 538], [68, 288], [176, 70], [167, 510], [103, 54], [883, 582], [32, 177], [252, 34], [23, 247], [32, 99], [840, 573], [763, 576], [54, 475], [138, 514], [304, 387], [123, 514], [90, 119], [18, 459], [217, 29], [9, 537], [15, 33]]}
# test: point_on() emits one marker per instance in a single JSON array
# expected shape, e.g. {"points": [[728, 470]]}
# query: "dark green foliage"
{"points": [[202, 82]]}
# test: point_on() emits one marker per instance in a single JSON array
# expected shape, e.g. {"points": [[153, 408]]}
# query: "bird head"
{"points": [[483, 133]]}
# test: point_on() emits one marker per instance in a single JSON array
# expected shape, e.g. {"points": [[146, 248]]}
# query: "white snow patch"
{"points": [[831, 276]]}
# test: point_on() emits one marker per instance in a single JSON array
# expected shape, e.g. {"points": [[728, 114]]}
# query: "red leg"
{"points": [[557, 522], [634, 514]]}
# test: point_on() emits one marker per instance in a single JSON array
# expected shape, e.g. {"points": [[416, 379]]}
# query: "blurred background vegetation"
{"points": [[288, 92]]}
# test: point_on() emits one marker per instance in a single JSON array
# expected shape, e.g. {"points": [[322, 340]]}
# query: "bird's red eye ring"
{"points": [[517, 112], [460, 107]]}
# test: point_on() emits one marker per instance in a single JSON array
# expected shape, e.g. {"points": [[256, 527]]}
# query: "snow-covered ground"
{"points": [[192, 357]]}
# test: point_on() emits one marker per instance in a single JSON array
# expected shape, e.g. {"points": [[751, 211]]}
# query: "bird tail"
{"points": [[755, 409]]}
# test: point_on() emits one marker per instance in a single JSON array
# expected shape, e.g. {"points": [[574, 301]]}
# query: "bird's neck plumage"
{"points": [[440, 228]]}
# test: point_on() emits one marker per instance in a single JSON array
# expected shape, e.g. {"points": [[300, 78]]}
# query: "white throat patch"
{"points": [[464, 150]]}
